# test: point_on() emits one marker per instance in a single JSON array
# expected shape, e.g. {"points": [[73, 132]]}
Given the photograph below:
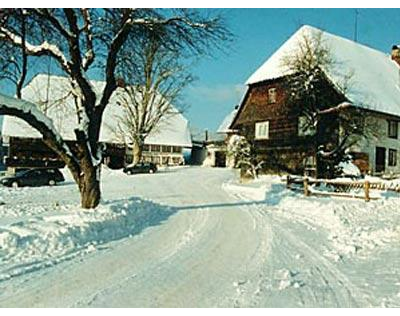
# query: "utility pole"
{"points": [[356, 25]]}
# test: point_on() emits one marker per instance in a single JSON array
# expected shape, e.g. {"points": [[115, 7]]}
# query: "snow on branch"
{"points": [[36, 50], [334, 109], [30, 113], [87, 28], [171, 20]]}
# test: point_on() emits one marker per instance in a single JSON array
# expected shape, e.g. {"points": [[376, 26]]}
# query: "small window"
{"points": [[272, 95], [393, 129], [262, 130], [304, 127], [392, 157]]}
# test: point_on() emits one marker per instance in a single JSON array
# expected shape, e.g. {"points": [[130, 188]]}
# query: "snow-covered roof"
{"points": [[173, 129], [226, 123], [375, 82]]}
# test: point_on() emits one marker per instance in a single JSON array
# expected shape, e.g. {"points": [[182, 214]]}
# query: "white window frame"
{"points": [[262, 130]]}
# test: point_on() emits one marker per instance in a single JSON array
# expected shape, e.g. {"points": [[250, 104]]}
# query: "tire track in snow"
{"points": [[325, 285], [201, 259], [183, 239], [328, 285]]}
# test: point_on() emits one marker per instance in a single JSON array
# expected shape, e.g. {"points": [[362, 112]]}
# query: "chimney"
{"points": [[396, 54]]}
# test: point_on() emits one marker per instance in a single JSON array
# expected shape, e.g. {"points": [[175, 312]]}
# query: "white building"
{"points": [[165, 144]]}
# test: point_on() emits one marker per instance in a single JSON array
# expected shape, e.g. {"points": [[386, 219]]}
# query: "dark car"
{"points": [[142, 167], [33, 177]]}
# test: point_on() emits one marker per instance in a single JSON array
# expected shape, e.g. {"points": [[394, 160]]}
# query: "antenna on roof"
{"points": [[356, 25]]}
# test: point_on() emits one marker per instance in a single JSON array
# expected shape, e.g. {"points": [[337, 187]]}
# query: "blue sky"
{"points": [[260, 32]]}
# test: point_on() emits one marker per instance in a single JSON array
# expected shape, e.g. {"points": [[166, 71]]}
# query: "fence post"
{"points": [[288, 182], [366, 189], [306, 191]]}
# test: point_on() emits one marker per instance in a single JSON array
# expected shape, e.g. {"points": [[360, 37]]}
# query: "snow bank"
{"points": [[42, 241], [352, 227], [253, 191], [350, 169], [248, 193]]}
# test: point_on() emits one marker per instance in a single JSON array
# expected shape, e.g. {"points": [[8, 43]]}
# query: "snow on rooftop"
{"points": [[375, 83], [172, 129], [226, 123]]}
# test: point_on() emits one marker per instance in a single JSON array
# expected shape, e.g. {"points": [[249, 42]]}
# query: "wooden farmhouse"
{"points": [[277, 128], [24, 147]]}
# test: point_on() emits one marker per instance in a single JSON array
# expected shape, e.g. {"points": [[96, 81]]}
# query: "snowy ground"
{"points": [[193, 236]]}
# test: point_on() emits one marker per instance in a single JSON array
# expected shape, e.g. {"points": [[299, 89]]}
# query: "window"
{"points": [[155, 148], [156, 160], [176, 160], [262, 130], [393, 129], [165, 160], [272, 95], [392, 157], [304, 127]]}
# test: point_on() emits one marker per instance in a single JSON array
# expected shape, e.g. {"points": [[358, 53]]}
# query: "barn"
{"points": [[24, 147]]}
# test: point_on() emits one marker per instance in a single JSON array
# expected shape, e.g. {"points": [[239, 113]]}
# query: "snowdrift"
{"points": [[42, 241]]}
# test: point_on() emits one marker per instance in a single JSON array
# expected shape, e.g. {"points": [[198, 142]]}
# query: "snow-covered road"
{"points": [[213, 248]]}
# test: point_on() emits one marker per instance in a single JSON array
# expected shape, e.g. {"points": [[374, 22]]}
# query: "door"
{"points": [[39, 178], [380, 159], [220, 159], [29, 178]]}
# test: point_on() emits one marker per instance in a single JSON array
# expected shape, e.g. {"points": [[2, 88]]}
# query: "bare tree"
{"points": [[14, 60], [150, 91], [336, 124], [80, 40]]}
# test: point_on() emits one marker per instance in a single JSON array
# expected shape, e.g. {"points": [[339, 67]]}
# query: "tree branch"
{"points": [[121, 35], [87, 28], [111, 63], [34, 117], [24, 66], [44, 49], [45, 14], [335, 109]]}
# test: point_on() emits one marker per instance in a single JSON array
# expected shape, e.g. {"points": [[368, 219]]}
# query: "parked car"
{"points": [[33, 177], [142, 167]]}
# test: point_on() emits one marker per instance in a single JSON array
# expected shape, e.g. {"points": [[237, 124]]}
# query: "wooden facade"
{"points": [[30, 153], [33, 153], [285, 149]]}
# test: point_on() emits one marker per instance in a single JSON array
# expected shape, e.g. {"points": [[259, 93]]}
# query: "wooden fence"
{"points": [[341, 188]]}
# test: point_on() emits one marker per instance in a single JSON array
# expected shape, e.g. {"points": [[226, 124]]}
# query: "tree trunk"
{"points": [[137, 151], [89, 187], [87, 177]]}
